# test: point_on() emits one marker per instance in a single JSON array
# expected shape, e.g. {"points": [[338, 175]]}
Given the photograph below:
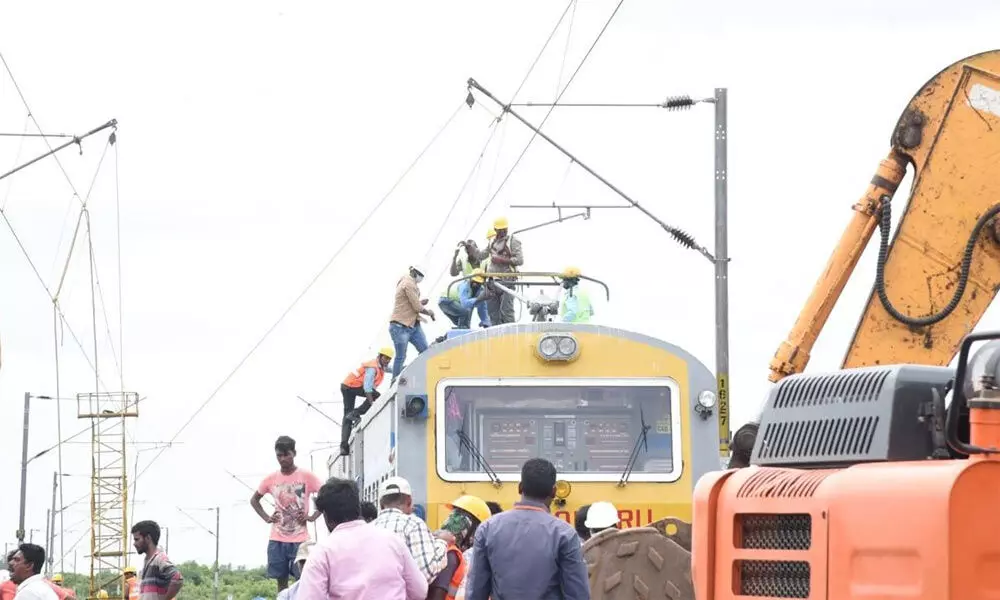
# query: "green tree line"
{"points": [[239, 582]]}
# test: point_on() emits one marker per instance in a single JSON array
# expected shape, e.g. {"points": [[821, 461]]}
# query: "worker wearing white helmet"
{"points": [[601, 516], [404, 323]]}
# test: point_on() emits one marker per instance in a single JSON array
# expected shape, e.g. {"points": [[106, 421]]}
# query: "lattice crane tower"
{"points": [[110, 540]]}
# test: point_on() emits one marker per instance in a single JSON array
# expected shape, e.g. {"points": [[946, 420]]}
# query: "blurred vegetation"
{"points": [[240, 582]]}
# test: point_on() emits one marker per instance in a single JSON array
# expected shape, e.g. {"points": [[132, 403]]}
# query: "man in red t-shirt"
{"points": [[290, 489]]}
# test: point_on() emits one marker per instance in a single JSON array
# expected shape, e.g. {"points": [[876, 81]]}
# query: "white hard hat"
{"points": [[601, 515], [419, 269]]}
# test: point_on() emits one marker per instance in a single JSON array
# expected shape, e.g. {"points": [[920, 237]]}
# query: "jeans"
{"points": [[452, 309], [402, 336]]}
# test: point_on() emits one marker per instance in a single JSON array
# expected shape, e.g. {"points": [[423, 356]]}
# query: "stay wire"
{"points": [[542, 51], [308, 287], [534, 134]]}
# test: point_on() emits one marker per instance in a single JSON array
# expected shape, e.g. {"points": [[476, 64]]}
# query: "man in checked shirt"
{"points": [[396, 500]]}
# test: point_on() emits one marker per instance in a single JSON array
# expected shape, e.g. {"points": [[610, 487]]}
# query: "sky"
{"points": [[254, 137]]}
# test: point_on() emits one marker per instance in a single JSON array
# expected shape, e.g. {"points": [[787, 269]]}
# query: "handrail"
{"points": [[555, 275]]}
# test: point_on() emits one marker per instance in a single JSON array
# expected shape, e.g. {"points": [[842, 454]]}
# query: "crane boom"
{"points": [[941, 270]]}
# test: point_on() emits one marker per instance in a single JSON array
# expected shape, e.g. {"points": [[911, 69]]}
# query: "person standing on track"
{"points": [[291, 489]]}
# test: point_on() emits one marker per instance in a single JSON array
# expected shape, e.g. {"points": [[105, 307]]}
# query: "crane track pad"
{"points": [[637, 563]]}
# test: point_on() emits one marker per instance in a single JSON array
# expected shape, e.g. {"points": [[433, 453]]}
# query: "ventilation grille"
{"points": [[773, 578], [770, 482], [819, 438], [835, 388], [775, 532]]}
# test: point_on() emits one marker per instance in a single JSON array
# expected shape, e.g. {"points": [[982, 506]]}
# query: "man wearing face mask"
{"points": [[575, 306], [404, 324]]}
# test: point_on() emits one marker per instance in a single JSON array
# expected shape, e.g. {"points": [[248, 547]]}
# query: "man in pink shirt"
{"points": [[290, 489], [357, 561]]}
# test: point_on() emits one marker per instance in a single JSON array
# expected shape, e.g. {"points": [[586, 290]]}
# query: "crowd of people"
{"points": [[479, 551], [161, 580]]}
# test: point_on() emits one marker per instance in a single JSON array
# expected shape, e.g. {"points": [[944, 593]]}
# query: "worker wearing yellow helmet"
{"points": [[469, 294], [467, 514], [131, 583], [575, 305], [362, 382], [102, 594], [503, 254]]}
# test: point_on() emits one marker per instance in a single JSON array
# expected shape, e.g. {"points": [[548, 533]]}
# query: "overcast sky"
{"points": [[255, 136]]}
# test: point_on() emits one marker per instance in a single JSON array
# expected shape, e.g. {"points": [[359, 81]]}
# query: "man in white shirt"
{"points": [[25, 571]]}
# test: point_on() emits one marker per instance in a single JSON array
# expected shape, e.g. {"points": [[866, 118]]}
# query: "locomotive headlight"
{"points": [[548, 347], [567, 346], [706, 402], [558, 346]]}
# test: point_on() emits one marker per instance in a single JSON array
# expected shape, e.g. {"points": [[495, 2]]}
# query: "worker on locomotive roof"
{"points": [[467, 513], [407, 311], [602, 516], [361, 383], [575, 306], [505, 256], [465, 296]]}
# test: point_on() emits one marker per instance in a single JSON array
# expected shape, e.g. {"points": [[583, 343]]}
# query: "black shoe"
{"points": [[441, 339]]}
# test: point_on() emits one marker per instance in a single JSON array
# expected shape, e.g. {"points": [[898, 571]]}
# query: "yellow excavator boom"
{"points": [[941, 269]]}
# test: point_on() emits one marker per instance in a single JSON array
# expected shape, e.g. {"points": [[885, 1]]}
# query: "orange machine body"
{"points": [[918, 530]]}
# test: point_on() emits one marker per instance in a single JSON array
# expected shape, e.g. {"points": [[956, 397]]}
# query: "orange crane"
{"points": [[864, 482]]}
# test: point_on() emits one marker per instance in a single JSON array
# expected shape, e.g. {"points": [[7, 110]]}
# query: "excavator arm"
{"points": [[941, 270]]}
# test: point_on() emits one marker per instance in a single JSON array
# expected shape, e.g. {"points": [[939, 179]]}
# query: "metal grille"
{"points": [[820, 438], [774, 578], [836, 388], [775, 532]]}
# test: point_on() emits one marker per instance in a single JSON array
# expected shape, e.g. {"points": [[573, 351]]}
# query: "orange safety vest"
{"points": [[132, 589], [356, 378], [458, 576]]}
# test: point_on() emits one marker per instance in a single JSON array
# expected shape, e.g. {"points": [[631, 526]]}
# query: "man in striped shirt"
{"points": [[396, 499], [160, 579]]}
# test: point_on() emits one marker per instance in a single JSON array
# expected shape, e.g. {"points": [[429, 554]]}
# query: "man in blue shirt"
{"points": [[465, 296], [527, 553]]}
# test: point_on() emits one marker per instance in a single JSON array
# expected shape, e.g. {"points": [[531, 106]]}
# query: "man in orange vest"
{"points": [[467, 513], [361, 382], [131, 584]]}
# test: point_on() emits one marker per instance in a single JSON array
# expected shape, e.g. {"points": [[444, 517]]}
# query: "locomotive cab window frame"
{"points": [[555, 432]]}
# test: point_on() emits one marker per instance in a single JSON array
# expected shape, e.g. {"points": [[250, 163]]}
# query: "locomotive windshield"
{"points": [[587, 429]]}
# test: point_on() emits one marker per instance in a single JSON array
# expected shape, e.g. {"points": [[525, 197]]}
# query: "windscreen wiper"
{"points": [[634, 456], [476, 454]]}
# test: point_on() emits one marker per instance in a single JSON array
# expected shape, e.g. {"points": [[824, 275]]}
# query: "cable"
{"points": [[569, 37], [17, 159], [308, 287], [547, 114], [544, 46]]}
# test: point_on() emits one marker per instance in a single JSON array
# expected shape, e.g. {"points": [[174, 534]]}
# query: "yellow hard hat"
{"points": [[474, 505], [387, 352], [102, 594], [477, 275], [570, 272], [129, 570], [500, 223], [491, 233], [57, 578]]}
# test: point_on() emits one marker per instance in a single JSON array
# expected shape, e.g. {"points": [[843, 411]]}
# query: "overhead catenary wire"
{"points": [[305, 290], [534, 135]]}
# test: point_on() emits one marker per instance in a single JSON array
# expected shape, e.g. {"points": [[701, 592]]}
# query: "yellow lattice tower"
{"points": [[109, 533]]}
